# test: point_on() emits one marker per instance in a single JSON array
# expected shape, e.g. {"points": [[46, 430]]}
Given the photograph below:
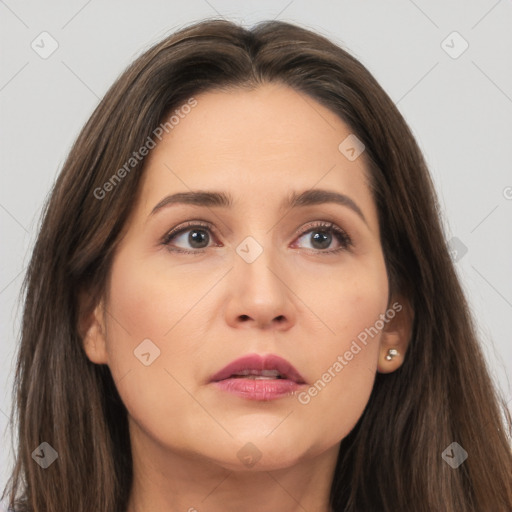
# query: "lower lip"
{"points": [[259, 389]]}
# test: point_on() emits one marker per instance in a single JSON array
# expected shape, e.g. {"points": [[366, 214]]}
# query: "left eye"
{"points": [[198, 237], [321, 236]]}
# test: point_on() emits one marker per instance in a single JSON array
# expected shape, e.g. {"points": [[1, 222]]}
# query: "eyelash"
{"points": [[325, 227]]}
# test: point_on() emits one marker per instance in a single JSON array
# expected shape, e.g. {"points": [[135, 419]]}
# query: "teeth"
{"points": [[270, 373], [260, 374]]}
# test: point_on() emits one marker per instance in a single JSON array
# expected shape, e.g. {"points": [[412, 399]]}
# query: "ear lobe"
{"points": [[93, 333], [396, 336]]}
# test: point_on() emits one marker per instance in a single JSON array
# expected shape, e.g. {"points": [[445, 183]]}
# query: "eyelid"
{"points": [[346, 240], [185, 227], [323, 225]]}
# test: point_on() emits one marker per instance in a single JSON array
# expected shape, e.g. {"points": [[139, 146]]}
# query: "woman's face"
{"points": [[257, 276]]}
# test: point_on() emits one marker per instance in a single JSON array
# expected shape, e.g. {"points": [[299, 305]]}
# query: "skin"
{"points": [[204, 310]]}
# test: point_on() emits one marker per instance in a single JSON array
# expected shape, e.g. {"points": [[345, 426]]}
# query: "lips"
{"points": [[257, 367]]}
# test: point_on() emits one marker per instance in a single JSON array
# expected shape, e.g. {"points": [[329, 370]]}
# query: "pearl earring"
{"points": [[392, 352]]}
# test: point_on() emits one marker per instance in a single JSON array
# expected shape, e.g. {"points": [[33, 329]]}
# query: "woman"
{"points": [[182, 349]]}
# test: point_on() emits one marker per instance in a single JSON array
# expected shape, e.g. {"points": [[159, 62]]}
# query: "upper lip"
{"points": [[258, 363]]}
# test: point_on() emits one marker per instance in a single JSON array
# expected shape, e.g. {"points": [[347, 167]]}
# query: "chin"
{"points": [[258, 452]]}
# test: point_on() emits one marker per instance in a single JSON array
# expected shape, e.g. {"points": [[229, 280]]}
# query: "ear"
{"points": [[395, 335], [92, 329]]}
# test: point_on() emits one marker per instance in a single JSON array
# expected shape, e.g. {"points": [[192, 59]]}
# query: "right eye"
{"points": [[195, 234]]}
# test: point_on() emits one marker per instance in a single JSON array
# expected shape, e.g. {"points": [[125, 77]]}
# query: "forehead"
{"points": [[258, 144], [241, 122]]}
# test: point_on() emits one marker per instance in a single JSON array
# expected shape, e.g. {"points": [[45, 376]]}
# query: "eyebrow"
{"points": [[294, 200]]}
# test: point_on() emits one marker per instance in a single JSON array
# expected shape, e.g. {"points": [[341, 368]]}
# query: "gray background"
{"points": [[458, 108]]}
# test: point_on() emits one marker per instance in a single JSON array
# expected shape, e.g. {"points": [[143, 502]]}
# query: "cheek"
{"points": [[157, 310], [344, 364], [147, 301], [348, 303], [148, 328]]}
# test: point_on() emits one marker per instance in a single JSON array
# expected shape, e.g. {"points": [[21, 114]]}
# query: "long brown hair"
{"points": [[392, 459]]}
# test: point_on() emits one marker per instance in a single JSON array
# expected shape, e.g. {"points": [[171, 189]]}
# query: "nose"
{"points": [[260, 295]]}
